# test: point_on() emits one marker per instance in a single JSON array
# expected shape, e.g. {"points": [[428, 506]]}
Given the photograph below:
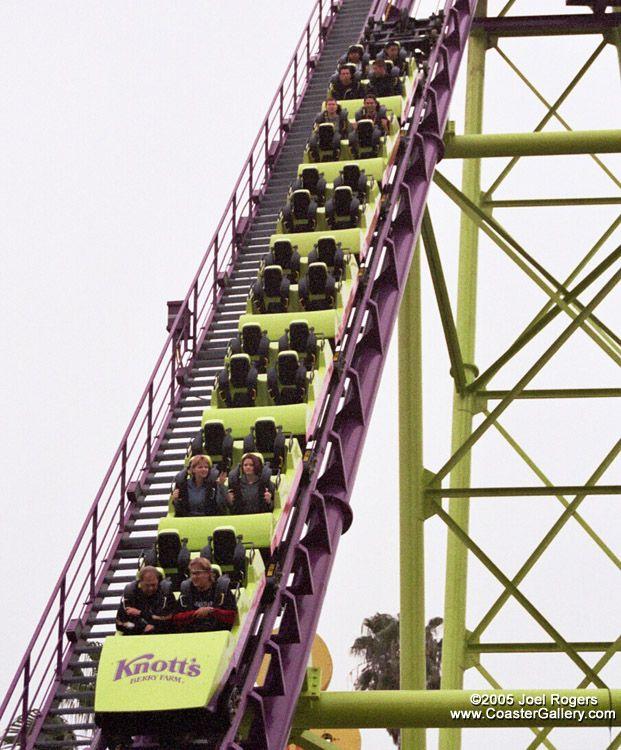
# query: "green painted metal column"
{"points": [[411, 499], [453, 649]]}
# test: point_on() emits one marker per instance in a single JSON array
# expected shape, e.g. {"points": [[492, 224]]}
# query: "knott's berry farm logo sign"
{"points": [[146, 668]]}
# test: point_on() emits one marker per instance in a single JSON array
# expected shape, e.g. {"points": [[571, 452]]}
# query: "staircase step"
{"points": [[73, 727], [77, 695]]}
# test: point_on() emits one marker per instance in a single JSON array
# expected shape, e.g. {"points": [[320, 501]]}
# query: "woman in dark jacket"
{"points": [[197, 492], [250, 489]]}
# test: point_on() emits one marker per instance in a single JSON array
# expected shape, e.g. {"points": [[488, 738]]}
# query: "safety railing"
{"points": [[49, 654]]}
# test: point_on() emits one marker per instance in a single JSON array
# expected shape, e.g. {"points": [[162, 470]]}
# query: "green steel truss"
{"points": [[580, 298], [494, 377]]}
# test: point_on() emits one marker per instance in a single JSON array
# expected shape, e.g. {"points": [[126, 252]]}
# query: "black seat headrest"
{"points": [[213, 436], [351, 175], [282, 252], [224, 543], [365, 128], [326, 250], [272, 279], [239, 367], [168, 548], [317, 276], [326, 134], [310, 178], [288, 363], [342, 199], [300, 201], [298, 335], [265, 434], [251, 337]]}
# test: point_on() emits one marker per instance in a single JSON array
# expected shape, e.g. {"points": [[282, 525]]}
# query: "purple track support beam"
{"points": [[322, 509], [377, 11], [403, 6]]}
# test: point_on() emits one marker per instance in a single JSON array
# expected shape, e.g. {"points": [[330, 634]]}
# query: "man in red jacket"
{"points": [[202, 607]]}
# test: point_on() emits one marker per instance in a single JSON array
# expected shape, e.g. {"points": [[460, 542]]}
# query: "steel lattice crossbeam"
{"points": [[580, 300]]}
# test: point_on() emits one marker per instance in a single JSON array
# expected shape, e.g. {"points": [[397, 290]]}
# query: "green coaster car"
{"points": [[267, 400], [148, 683]]}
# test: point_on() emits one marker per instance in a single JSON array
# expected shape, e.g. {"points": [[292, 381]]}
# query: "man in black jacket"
{"points": [[372, 110], [147, 605], [333, 113], [356, 55], [346, 86], [381, 83], [398, 57]]}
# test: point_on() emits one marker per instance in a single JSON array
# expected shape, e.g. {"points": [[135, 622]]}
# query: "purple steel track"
{"points": [[377, 13], [49, 651], [322, 509]]}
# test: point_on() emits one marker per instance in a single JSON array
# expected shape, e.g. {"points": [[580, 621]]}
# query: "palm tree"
{"points": [[433, 652], [379, 648]]}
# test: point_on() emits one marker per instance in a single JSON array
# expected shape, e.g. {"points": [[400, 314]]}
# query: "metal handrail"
{"points": [[69, 605]]}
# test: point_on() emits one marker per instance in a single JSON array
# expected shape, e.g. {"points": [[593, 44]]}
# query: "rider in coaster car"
{"points": [[381, 83], [250, 487], [372, 110], [204, 604], [147, 605], [334, 114], [356, 55], [199, 490], [398, 57], [346, 85]]}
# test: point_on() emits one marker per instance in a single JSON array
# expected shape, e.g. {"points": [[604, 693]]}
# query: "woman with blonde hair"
{"points": [[199, 490]]}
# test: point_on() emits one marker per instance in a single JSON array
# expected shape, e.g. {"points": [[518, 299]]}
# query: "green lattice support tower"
{"points": [[591, 282]]}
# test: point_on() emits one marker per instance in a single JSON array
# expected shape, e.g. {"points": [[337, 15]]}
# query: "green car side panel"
{"points": [[350, 239], [160, 672], [325, 322], [330, 169], [292, 418], [393, 103], [257, 527]]}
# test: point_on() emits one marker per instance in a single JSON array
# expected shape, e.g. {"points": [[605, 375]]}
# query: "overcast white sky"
{"points": [[123, 127]]}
